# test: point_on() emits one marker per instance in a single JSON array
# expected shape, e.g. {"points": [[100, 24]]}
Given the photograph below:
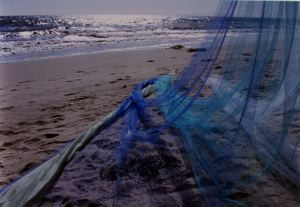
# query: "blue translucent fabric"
{"points": [[236, 104], [238, 98]]}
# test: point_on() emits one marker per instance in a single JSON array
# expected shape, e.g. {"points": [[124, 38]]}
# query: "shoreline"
{"points": [[88, 51]]}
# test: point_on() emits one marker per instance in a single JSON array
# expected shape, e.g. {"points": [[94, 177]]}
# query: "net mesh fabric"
{"points": [[235, 109], [235, 102]]}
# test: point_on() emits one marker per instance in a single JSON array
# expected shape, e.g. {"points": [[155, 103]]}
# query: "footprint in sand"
{"points": [[32, 140], [60, 126], [51, 135], [58, 120], [79, 72], [56, 116], [40, 123], [8, 108], [120, 79], [71, 94], [7, 132], [115, 81], [80, 98], [27, 81], [163, 69], [8, 144], [42, 129], [23, 123]]}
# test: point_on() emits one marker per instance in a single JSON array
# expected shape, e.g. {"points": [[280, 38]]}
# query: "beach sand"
{"points": [[152, 175], [46, 103]]}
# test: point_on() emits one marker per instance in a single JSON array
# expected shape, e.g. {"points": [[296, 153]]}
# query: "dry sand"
{"points": [[45, 103]]}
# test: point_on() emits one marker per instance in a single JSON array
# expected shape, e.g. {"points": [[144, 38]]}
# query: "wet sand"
{"points": [[46, 103]]}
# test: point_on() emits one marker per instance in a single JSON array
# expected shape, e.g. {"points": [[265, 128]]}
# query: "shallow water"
{"points": [[24, 37]]}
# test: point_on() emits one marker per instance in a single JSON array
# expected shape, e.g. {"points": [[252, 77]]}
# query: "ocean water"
{"points": [[23, 37]]}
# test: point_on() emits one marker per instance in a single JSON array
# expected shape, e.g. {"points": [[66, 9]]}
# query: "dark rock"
{"points": [[192, 50], [201, 49], [177, 47]]}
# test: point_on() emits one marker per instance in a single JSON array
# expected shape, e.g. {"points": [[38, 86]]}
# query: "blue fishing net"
{"points": [[236, 102], [235, 107]]}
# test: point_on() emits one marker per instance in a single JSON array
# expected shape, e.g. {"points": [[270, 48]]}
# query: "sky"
{"points": [[68, 7]]}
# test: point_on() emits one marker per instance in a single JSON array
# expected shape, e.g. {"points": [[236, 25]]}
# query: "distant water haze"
{"points": [[79, 7], [22, 36]]}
